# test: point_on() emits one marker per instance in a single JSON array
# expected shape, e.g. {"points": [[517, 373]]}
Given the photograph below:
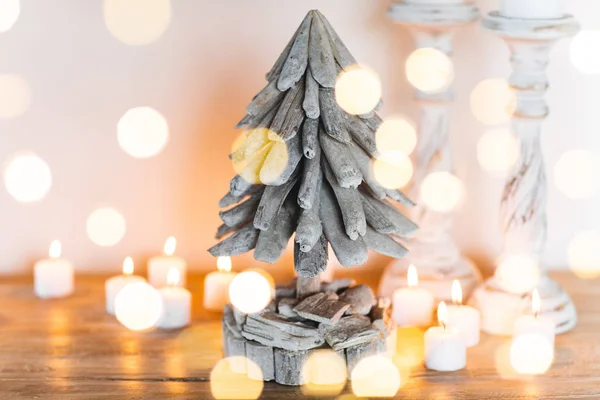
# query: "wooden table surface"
{"points": [[71, 349]]}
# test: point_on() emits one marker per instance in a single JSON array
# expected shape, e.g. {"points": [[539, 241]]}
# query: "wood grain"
{"points": [[71, 349]]}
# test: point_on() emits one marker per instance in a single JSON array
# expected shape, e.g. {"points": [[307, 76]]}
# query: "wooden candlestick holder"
{"points": [[433, 250], [523, 209]]}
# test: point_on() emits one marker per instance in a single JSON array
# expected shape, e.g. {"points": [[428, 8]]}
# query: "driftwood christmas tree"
{"points": [[304, 171]]}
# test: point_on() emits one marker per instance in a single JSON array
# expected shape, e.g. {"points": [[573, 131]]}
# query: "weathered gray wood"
{"points": [[356, 353], [400, 197], [376, 219], [265, 117], [274, 330], [383, 244], [337, 284], [381, 315], [350, 331], [263, 357], [238, 186], [350, 205], [286, 306], [272, 243], [287, 290], [362, 135], [223, 230], [288, 367], [309, 229], [270, 204], [312, 177], [276, 68], [240, 214], [310, 139], [310, 264], [320, 55], [404, 226], [229, 199], [244, 122], [236, 347], [230, 322], [373, 123], [273, 171], [297, 61], [240, 242], [342, 163], [332, 116], [307, 287], [322, 308], [284, 109], [348, 252], [239, 317], [265, 99], [311, 97], [361, 299], [294, 119], [364, 164], [340, 51]]}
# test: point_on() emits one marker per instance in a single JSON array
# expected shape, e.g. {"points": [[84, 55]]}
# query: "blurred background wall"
{"points": [[200, 74]]}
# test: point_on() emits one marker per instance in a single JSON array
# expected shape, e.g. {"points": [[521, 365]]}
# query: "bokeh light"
{"points": [[105, 227], [375, 376], [138, 306], [137, 22], [227, 383], [393, 169], [9, 14], [275, 163], [585, 55], [250, 146], [15, 96], [429, 70], [492, 101], [583, 255], [410, 351], [531, 354], [358, 90], [397, 134], [441, 191], [324, 374], [576, 174], [27, 177], [518, 273], [142, 132], [498, 151], [250, 292]]}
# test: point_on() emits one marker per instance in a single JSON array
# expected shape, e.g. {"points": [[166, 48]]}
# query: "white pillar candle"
{"points": [[464, 318], [532, 9], [445, 347], [216, 285], [53, 277], [412, 305], [159, 266], [536, 323], [114, 285], [177, 303]]}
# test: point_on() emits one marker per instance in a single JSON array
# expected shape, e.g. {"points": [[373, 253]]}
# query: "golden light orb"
{"points": [[27, 177], [358, 90], [441, 191], [429, 70], [492, 101], [397, 134]]}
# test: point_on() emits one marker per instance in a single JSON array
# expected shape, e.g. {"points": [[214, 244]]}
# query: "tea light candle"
{"points": [[445, 347], [532, 9], [412, 305], [53, 277], [464, 318], [536, 323], [177, 303], [158, 267], [114, 285], [216, 285]]}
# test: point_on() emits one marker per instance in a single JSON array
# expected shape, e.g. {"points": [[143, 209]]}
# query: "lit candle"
{"points": [[532, 9], [114, 285], [536, 323], [177, 303], [53, 276], [464, 318], [216, 285], [158, 267], [412, 305], [445, 347]]}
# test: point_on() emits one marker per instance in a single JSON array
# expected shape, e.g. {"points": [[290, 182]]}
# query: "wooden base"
{"points": [[499, 309]]}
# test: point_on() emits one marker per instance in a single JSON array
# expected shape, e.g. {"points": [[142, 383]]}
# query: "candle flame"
{"points": [[55, 249], [224, 264], [170, 246], [536, 303], [173, 277], [456, 292], [412, 277], [442, 314], [128, 266]]}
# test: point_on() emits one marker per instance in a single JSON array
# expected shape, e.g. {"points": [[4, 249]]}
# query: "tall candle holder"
{"points": [[523, 208], [433, 250]]}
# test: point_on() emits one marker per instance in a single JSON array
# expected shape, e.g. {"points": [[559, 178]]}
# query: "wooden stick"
{"points": [[265, 99], [263, 357], [350, 205], [310, 264], [400, 197], [294, 118], [340, 51], [332, 117], [376, 219], [383, 244], [240, 242], [238, 186], [288, 367], [224, 230], [342, 163], [310, 141], [363, 136], [270, 203], [272, 242], [311, 97], [309, 229], [404, 226], [307, 287], [297, 60], [374, 122], [244, 122], [311, 179], [283, 110], [348, 252], [322, 308], [229, 199], [363, 162], [320, 55], [240, 214], [276, 69], [281, 162]]}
